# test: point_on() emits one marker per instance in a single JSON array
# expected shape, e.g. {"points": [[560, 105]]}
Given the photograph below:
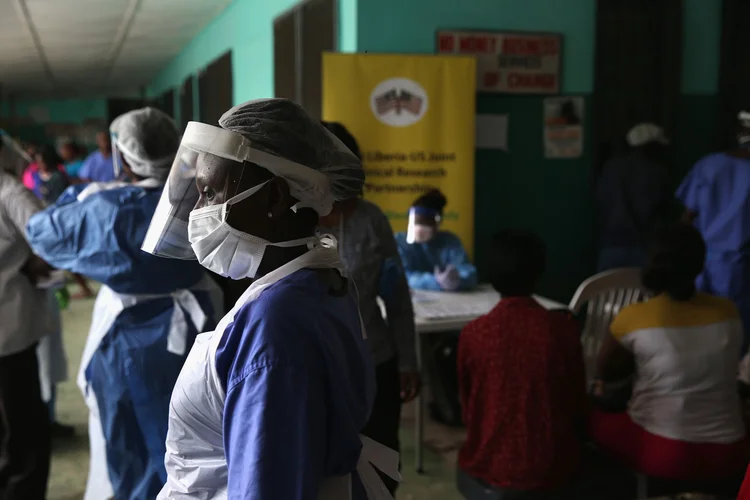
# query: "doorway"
{"points": [[734, 72], [638, 63], [215, 87], [186, 102], [301, 35]]}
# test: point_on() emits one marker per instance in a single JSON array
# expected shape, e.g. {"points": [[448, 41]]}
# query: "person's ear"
{"points": [[280, 199]]}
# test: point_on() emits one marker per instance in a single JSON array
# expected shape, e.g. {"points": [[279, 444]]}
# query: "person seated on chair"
{"points": [[434, 259], [683, 420], [521, 383]]}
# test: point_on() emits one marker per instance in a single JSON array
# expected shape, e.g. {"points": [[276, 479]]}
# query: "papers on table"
{"points": [[437, 306]]}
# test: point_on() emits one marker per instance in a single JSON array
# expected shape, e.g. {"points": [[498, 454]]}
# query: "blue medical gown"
{"points": [[299, 386], [132, 373], [101, 236], [717, 189], [421, 259]]}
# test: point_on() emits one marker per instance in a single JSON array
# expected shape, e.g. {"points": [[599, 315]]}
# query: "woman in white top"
{"points": [[683, 420]]}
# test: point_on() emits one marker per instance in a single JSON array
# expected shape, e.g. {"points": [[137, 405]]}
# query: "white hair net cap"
{"points": [[148, 140], [282, 128], [644, 133]]}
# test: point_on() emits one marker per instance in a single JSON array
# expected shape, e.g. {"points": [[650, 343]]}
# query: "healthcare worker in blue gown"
{"points": [[271, 404], [716, 195], [434, 259], [146, 315]]}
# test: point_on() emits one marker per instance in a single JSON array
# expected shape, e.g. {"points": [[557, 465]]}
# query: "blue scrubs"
{"points": [[716, 189], [132, 373], [73, 168], [421, 259], [97, 168], [299, 385]]}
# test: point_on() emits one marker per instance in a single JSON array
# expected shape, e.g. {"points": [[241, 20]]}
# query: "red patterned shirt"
{"points": [[522, 387]]}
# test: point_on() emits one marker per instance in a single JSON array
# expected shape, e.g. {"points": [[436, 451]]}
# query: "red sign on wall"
{"points": [[513, 63]]}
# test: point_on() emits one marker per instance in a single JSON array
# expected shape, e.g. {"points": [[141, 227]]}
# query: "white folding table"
{"points": [[468, 306]]}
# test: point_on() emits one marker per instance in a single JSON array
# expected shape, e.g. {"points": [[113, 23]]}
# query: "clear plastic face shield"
{"points": [[423, 224], [13, 159], [167, 235]]}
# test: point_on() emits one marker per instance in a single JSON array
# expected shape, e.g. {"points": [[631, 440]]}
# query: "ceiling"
{"points": [[75, 48]]}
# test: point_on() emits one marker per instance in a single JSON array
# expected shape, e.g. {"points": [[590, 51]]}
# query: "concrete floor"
{"points": [[70, 460]]}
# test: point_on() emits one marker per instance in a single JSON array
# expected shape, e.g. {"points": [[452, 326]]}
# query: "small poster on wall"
{"points": [[509, 63], [563, 127]]}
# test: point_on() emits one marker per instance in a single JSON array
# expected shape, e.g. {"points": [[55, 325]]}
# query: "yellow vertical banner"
{"points": [[413, 117]]}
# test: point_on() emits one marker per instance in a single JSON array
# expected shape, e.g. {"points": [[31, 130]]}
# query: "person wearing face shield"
{"points": [[368, 250], [146, 316], [272, 402], [434, 259]]}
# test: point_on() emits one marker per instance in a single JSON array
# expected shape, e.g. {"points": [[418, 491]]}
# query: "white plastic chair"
{"points": [[604, 294]]}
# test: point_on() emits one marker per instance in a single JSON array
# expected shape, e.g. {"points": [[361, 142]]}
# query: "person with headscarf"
{"points": [[147, 314], [633, 198], [715, 196], [434, 259], [368, 250], [682, 348], [270, 404]]}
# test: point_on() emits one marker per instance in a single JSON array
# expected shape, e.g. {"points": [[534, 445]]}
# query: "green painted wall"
{"points": [[34, 120], [58, 111], [246, 28], [410, 26]]}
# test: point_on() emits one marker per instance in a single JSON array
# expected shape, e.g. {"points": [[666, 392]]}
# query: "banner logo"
{"points": [[399, 102]]}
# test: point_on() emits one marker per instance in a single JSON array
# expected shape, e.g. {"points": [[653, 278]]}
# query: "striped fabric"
{"points": [[687, 357]]}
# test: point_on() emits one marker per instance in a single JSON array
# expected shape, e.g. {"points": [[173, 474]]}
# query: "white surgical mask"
{"points": [[225, 250], [423, 233]]}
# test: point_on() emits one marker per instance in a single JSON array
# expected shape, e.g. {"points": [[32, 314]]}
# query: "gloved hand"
{"points": [[448, 279]]}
